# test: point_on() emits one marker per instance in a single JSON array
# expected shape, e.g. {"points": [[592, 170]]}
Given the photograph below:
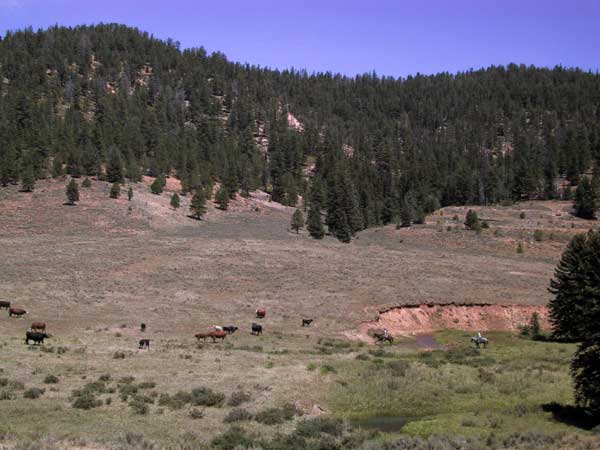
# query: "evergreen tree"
{"points": [[534, 326], [575, 308], [157, 185], [72, 192], [297, 221], [198, 204], [586, 200], [406, 215], [222, 198], [114, 167], [314, 222], [585, 370], [86, 183], [175, 200], [115, 190], [27, 179], [472, 221], [130, 193]]}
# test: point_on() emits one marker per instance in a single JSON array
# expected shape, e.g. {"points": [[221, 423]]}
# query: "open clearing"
{"points": [[95, 271]]}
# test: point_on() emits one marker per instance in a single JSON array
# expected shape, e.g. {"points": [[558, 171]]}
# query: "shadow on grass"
{"points": [[572, 415]]}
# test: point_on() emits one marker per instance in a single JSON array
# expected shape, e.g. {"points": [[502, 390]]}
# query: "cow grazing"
{"points": [[13, 311], [144, 343], [36, 337], [230, 329], [261, 313], [256, 329], [4, 304], [214, 335], [38, 326], [143, 327], [307, 322]]}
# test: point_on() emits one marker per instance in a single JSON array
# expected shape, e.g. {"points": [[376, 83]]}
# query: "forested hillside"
{"points": [[115, 102]]}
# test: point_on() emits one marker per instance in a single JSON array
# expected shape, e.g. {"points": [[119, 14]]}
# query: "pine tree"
{"points": [[86, 183], [406, 215], [222, 198], [175, 201], [585, 370], [72, 192], [130, 193], [586, 200], [575, 308], [115, 190], [534, 326], [114, 168], [198, 204], [297, 221], [315, 201], [472, 221], [157, 185], [27, 179]]}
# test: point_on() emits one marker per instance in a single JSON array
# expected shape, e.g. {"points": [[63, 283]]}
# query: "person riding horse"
{"points": [[480, 340]]}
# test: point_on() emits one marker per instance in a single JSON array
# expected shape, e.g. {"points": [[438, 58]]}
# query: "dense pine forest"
{"points": [[114, 102]]}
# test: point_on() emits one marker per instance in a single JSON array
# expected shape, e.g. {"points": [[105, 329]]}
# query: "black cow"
{"points": [[143, 327], [36, 337], [307, 322], [230, 329], [4, 304], [144, 343], [256, 329]]}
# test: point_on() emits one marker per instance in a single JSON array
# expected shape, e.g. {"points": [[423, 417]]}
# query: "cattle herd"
{"points": [[37, 332]]}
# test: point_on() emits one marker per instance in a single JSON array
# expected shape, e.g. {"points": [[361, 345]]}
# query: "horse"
{"points": [[383, 336], [480, 340]]}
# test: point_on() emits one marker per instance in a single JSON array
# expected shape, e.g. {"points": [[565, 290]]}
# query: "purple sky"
{"points": [[396, 38]]}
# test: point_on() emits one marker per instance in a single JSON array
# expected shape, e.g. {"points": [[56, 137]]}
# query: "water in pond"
{"points": [[427, 341], [386, 424]]}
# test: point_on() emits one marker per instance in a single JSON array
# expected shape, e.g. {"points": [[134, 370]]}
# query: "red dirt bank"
{"points": [[425, 318]]}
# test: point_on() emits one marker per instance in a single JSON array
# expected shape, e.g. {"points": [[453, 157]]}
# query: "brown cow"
{"points": [[14, 311], [261, 313], [38, 326], [214, 335]]}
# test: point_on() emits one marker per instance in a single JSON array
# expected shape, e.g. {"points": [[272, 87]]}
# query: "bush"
{"points": [[311, 366], [5, 395], [33, 393], [105, 378], [274, 416], [238, 397], [522, 215], [207, 397], [138, 406], [520, 249], [125, 390], [119, 355], [538, 235], [86, 183], [231, 439], [85, 400], [51, 379], [314, 427], [195, 413], [237, 415], [398, 368], [147, 385], [327, 369]]}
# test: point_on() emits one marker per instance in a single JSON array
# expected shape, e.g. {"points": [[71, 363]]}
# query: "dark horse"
{"points": [[383, 336]]}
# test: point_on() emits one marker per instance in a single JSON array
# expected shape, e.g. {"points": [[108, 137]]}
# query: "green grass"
{"points": [[461, 390]]}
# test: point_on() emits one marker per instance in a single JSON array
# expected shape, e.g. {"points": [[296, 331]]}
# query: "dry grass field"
{"points": [[95, 271]]}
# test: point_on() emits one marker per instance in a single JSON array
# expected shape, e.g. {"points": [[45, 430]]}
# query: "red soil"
{"points": [[416, 319]]}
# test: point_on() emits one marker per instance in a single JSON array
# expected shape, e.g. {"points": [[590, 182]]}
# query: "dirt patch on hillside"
{"points": [[425, 318]]}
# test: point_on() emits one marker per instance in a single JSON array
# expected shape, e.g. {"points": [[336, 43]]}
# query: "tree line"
{"points": [[115, 102]]}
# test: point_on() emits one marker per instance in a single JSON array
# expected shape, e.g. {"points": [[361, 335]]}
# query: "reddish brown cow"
{"points": [[13, 311], [214, 335], [38, 326], [261, 313]]}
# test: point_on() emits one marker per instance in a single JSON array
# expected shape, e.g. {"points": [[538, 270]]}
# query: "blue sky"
{"points": [[395, 38]]}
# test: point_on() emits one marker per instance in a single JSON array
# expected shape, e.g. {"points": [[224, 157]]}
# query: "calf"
{"points": [[261, 313], [38, 326], [230, 329], [4, 304], [256, 329], [144, 343], [36, 337], [143, 327], [307, 322], [13, 311]]}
